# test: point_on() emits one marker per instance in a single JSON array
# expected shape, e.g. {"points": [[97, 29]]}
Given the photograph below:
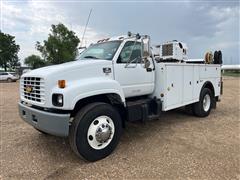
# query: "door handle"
{"points": [[130, 65]]}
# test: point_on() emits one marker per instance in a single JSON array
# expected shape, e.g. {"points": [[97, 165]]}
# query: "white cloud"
{"points": [[222, 32], [31, 21], [227, 26], [8, 12], [202, 25], [91, 35]]}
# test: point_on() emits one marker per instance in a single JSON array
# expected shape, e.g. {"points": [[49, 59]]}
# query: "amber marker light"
{"points": [[61, 84]]}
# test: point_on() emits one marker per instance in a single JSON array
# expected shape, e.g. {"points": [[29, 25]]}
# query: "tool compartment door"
{"points": [[173, 86], [209, 71], [188, 83]]}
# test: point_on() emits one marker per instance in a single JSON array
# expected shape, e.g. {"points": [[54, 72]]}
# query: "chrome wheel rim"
{"points": [[100, 132], [206, 102]]}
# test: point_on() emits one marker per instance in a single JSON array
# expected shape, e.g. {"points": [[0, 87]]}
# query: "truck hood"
{"points": [[76, 74], [66, 68]]}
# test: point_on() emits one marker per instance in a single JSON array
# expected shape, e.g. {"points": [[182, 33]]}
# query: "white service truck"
{"points": [[114, 81]]}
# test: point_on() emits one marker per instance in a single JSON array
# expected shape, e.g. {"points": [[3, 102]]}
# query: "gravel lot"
{"points": [[177, 146]]}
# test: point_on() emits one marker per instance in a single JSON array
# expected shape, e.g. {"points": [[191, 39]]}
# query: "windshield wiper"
{"points": [[93, 57]]}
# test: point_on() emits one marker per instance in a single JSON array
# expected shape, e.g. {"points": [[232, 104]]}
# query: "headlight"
{"points": [[57, 100]]}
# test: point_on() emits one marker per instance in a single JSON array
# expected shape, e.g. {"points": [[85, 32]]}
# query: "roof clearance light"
{"points": [[61, 84]]}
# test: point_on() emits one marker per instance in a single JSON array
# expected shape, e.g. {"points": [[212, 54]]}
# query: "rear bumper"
{"points": [[51, 123]]}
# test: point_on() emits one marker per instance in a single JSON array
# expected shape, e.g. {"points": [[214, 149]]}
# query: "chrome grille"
{"points": [[32, 88]]}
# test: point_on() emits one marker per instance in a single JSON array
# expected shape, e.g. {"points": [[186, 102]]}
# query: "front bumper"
{"points": [[51, 123]]}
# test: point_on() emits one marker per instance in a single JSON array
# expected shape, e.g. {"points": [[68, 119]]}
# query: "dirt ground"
{"points": [[177, 146]]}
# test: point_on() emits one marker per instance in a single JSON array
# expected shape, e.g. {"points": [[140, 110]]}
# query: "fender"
{"points": [[209, 85], [88, 87]]}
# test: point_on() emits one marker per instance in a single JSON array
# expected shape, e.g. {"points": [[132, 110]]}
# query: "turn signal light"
{"points": [[61, 83]]}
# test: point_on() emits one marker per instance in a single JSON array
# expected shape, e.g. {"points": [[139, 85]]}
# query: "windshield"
{"points": [[105, 50], [14, 74]]}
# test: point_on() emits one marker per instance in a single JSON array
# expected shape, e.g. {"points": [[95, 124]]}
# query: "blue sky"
{"points": [[203, 25]]}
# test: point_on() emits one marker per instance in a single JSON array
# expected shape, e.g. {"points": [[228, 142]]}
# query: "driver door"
{"points": [[130, 72]]}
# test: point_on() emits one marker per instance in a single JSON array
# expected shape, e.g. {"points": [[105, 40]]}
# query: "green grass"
{"points": [[231, 73]]}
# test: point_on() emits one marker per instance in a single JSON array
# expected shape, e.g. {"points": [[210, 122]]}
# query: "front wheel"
{"points": [[95, 131], [204, 106]]}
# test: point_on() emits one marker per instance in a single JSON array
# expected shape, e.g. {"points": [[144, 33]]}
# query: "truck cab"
{"points": [[113, 81]]}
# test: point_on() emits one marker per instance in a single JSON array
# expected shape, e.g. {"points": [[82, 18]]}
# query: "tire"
{"points": [[216, 60], [219, 57], [204, 106], [9, 80], [83, 131], [189, 109]]}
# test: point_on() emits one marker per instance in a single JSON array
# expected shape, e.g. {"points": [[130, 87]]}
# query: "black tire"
{"points": [[215, 57], [9, 80], [198, 108], [79, 128], [220, 57]]}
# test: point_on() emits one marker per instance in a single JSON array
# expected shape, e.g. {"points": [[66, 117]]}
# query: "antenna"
{"points": [[86, 26]]}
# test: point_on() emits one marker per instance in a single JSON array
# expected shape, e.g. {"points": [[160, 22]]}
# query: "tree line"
{"points": [[61, 46]]}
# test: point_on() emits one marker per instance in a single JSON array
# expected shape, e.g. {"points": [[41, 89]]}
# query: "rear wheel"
{"points": [[95, 131], [204, 106]]}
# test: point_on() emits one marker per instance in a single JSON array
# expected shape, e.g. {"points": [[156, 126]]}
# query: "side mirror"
{"points": [[146, 47]]}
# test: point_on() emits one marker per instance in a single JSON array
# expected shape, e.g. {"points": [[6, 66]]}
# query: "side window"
{"points": [[131, 52]]}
